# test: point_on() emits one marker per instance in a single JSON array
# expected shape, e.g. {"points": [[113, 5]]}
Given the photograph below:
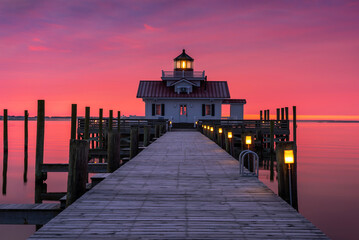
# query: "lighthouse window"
{"points": [[158, 109], [208, 110]]}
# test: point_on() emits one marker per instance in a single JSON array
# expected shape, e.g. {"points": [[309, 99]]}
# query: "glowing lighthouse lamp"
{"points": [[289, 159]]}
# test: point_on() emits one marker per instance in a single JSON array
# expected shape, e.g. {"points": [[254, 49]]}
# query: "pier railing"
{"points": [[94, 123]]}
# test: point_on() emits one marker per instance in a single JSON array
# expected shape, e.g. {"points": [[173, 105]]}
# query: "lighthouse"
{"points": [[185, 96]]}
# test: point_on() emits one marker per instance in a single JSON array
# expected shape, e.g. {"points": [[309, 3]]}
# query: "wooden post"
{"points": [[73, 120], [4, 173], [283, 175], [26, 143], [119, 121], [146, 135], [77, 176], [278, 114], [100, 130], [157, 129], [265, 114], [161, 130], [286, 113], [87, 123], [287, 119], [295, 124], [5, 120], [39, 177], [268, 116], [113, 151], [261, 115], [271, 152], [5, 153], [282, 113], [133, 141], [110, 120]]}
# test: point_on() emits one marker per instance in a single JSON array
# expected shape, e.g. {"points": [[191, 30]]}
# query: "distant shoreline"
{"points": [[57, 118]]}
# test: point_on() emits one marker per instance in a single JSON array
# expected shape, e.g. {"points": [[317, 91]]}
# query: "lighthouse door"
{"points": [[183, 113]]}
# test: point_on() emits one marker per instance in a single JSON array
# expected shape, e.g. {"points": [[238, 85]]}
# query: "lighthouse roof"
{"points": [[183, 56], [157, 89]]}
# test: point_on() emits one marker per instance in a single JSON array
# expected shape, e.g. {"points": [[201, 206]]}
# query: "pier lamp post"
{"points": [[289, 159], [220, 131], [248, 140], [212, 137], [230, 136]]}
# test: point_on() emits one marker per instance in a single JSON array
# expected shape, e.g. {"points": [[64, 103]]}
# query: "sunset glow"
{"points": [[273, 54]]}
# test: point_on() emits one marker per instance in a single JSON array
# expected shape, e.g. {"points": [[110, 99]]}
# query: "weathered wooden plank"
{"points": [[64, 167], [182, 186], [28, 213]]}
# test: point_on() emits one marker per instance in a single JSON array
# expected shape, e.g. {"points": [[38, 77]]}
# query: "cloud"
{"points": [[37, 40], [150, 28], [38, 48]]}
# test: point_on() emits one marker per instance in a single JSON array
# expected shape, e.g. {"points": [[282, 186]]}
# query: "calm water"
{"points": [[328, 173]]}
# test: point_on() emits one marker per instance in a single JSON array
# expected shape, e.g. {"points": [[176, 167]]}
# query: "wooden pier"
{"points": [[182, 186]]}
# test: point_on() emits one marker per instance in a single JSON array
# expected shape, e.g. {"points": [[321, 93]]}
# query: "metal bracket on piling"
{"points": [[247, 173]]}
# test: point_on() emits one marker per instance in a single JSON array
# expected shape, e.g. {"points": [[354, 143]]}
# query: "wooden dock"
{"points": [[183, 186]]}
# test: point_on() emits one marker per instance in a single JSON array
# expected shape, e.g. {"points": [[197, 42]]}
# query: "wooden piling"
{"points": [[282, 113], [278, 114], [160, 130], [110, 120], [286, 113], [73, 120], [134, 141], [295, 125], [271, 152], [113, 151], [87, 123], [4, 173], [157, 131], [265, 114], [268, 116], [5, 130], [39, 177], [261, 115], [77, 176], [100, 130], [146, 135], [26, 144], [283, 175], [119, 121]]}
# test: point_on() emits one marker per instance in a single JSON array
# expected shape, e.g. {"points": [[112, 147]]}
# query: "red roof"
{"points": [[158, 89], [229, 101]]}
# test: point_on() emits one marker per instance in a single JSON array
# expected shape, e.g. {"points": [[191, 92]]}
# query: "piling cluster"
{"points": [[267, 137]]}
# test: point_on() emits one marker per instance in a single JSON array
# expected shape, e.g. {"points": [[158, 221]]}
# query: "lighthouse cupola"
{"points": [[183, 62]]}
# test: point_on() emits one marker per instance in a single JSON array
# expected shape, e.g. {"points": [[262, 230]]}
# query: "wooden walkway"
{"points": [[183, 186]]}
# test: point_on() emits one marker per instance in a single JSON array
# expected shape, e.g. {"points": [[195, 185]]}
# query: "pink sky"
{"points": [[93, 53]]}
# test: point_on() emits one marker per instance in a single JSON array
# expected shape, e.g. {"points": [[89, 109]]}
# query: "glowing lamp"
{"points": [[207, 127], [170, 122], [196, 122], [248, 140], [211, 129], [288, 156], [230, 135], [183, 62], [204, 126], [220, 130]]}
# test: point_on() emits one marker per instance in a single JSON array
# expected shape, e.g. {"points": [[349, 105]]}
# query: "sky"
{"points": [[94, 53]]}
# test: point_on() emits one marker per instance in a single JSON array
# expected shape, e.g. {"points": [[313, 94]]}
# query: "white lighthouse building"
{"points": [[184, 95]]}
